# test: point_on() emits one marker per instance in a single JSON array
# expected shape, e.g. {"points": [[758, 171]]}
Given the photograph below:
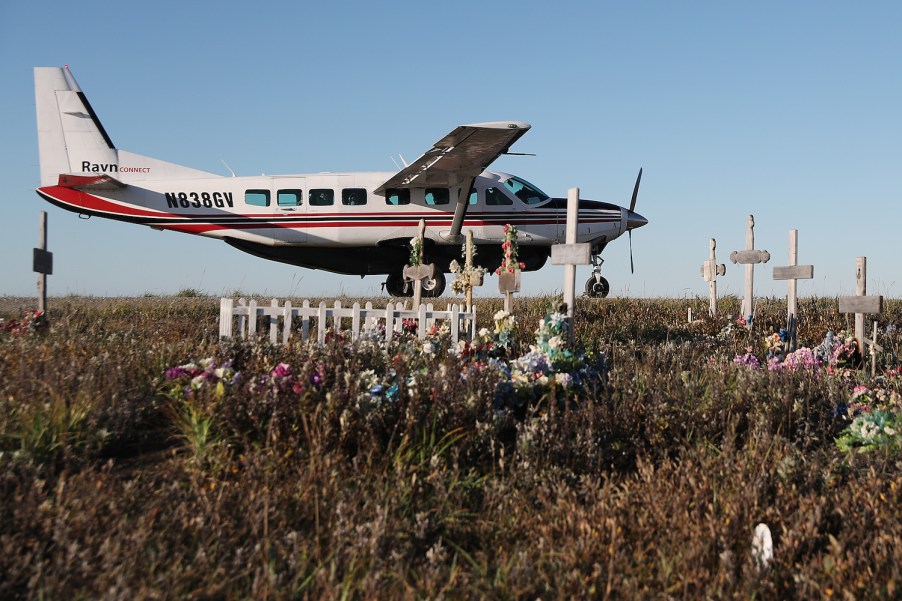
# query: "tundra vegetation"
{"points": [[140, 457]]}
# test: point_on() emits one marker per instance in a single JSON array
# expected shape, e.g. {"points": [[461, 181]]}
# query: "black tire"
{"points": [[394, 285], [597, 289]]}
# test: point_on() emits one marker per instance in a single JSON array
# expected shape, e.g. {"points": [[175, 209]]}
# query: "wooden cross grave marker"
{"points": [[43, 264], [418, 273], [749, 257], [571, 254], [792, 274], [710, 271], [474, 277], [861, 304]]}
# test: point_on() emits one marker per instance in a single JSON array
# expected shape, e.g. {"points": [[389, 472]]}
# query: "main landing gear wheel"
{"points": [[597, 288], [433, 288], [394, 285]]}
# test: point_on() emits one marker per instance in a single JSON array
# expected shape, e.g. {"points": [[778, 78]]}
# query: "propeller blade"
{"points": [[632, 268], [636, 191]]}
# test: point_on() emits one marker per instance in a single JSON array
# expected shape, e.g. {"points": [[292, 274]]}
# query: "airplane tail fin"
{"points": [[72, 141], [71, 138]]}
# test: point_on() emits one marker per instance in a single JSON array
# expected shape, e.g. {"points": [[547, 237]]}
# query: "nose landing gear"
{"points": [[597, 286]]}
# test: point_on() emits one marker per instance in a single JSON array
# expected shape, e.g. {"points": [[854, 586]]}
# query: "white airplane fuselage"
{"points": [[349, 223]]}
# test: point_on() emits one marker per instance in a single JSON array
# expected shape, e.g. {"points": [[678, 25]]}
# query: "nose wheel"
{"points": [[597, 286]]}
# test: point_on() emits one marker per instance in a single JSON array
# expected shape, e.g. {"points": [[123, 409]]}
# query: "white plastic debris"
{"points": [[762, 545]]}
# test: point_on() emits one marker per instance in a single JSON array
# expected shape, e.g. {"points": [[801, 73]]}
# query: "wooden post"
{"points": [[710, 271], [43, 264], [418, 273], [468, 263], [861, 289], [749, 257], [570, 238], [792, 274], [860, 304], [874, 348], [571, 254]]}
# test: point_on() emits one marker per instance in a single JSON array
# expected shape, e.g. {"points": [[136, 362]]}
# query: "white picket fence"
{"points": [[363, 320]]}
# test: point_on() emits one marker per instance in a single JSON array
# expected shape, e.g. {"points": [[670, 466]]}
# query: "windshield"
{"points": [[525, 191]]}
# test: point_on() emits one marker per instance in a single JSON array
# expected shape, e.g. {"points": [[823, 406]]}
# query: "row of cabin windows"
{"points": [[323, 197]]}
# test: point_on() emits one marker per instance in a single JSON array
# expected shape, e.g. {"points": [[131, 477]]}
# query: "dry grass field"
{"points": [[142, 458]]}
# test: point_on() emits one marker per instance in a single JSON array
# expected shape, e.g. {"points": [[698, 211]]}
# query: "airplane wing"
{"points": [[459, 157], [89, 182]]}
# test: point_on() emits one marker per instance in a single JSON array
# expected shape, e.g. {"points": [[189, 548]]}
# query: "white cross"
{"points": [[571, 254], [749, 257], [710, 271], [860, 304], [793, 273]]}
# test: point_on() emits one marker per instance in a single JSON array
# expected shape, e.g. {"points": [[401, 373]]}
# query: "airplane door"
{"points": [[289, 211]]}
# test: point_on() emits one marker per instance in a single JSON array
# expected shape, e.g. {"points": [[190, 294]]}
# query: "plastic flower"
{"points": [[509, 262]]}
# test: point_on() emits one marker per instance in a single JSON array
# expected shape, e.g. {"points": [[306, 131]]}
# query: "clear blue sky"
{"points": [[791, 111]]}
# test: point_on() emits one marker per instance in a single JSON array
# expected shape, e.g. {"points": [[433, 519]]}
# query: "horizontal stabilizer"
{"points": [[89, 182]]}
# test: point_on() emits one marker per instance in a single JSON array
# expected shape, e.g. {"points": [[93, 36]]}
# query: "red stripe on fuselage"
{"points": [[80, 201]]}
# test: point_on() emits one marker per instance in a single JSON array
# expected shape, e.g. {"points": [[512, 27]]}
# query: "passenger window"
{"points": [[321, 197], [397, 196], [472, 196], [495, 197], [289, 198], [353, 196], [256, 198], [437, 196]]}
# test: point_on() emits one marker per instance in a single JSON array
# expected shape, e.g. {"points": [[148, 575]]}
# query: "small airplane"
{"points": [[348, 223]]}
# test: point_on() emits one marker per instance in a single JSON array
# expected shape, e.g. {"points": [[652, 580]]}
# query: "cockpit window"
{"points": [[525, 191]]}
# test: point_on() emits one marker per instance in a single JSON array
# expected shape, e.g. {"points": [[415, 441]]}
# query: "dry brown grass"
{"points": [[648, 487]]}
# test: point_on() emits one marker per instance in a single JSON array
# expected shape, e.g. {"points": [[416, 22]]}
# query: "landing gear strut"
{"points": [[597, 286]]}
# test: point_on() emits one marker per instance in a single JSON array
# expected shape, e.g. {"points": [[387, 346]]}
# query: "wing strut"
{"points": [[460, 211]]}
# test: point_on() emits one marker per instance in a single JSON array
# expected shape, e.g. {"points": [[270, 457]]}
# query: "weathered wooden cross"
{"points": [[792, 274], [861, 304], [710, 271], [571, 254], [420, 272], [749, 257], [43, 264], [474, 276]]}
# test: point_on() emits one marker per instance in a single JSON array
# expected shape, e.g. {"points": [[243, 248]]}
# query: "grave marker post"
{"points": [[792, 274], [571, 254], [710, 271], [749, 257], [860, 304], [43, 264]]}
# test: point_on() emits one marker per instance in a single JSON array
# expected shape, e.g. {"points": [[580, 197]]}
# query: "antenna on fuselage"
{"points": [[227, 167], [398, 167], [403, 160]]}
